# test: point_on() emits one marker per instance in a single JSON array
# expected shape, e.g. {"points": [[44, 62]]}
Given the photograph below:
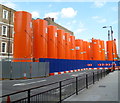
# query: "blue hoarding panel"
{"points": [[59, 65]]}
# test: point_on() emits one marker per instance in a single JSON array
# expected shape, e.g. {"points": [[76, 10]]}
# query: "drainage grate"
{"points": [[102, 86]]}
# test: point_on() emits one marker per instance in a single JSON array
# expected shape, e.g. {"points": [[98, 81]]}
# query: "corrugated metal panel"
{"points": [[15, 70], [0, 69], [6, 69]]}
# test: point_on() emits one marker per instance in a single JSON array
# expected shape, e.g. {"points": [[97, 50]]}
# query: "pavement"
{"points": [[104, 90]]}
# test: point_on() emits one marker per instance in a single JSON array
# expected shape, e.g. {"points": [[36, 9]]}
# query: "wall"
{"points": [[16, 70]]}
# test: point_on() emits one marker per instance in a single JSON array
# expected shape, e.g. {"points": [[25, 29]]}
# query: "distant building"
{"points": [[6, 32], [51, 22]]}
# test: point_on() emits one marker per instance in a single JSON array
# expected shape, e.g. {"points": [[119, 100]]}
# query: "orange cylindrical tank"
{"points": [[91, 51], [88, 51], [79, 49], [72, 47], [115, 50], [40, 38], [64, 45], [23, 38], [96, 49], [60, 44], [85, 50], [102, 50], [109, 47], [67, 45], [52, 41]]}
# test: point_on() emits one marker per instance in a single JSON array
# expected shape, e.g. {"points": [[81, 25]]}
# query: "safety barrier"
{"points": [[60, 66], [57, 91]]}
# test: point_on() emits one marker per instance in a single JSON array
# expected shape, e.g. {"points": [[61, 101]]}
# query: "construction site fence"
{"points": [[59, 65], [16, 70]]}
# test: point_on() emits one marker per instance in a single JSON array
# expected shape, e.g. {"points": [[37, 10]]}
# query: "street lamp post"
{"points": [[112, 42]]}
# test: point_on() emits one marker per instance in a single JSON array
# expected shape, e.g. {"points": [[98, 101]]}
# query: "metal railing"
{"points": [[58, 91]]}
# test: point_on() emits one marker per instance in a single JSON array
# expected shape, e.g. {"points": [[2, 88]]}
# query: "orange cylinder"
{"points": [[64, 46], [67, 45], [115, 50], [79, 49], [102, 50], [88, 51], [23, 37], [85, 50], [109, 48], [52, 41], [91, 51], [72, 47], [96, 49], [61, 44], [40, 38]]}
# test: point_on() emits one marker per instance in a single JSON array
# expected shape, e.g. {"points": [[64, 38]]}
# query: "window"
{"points": [[4, 30], [12, 32], [3, 47], [5, 14]]}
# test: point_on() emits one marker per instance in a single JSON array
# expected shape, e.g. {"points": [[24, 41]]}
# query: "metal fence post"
{"points": [[76, 85], [93, 78], [60, 86], [29, 96], [101, 74], [86, 81], [98, 75], [104, 72]]}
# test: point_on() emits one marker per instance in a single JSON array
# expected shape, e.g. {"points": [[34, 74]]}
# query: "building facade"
{"points": [[6, 32]]}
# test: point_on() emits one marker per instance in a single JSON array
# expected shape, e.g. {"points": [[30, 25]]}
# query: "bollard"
{"points": [[8, 99]]}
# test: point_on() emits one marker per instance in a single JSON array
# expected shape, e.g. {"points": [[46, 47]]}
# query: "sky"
{"points": [[85, 19]]}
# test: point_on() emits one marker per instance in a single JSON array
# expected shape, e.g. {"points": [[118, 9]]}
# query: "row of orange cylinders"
{"points": [[35, 39]]}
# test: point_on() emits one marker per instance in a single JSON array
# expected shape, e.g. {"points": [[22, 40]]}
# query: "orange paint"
{"points": [[61, 44], [23, 38], [96, 53], [67, 45], [91, 51], [115, 50], [109, 50], [88, 51], [85, 50], [72, 47], [40, 38], [102, 50], [52, 41], [79, 49]]}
